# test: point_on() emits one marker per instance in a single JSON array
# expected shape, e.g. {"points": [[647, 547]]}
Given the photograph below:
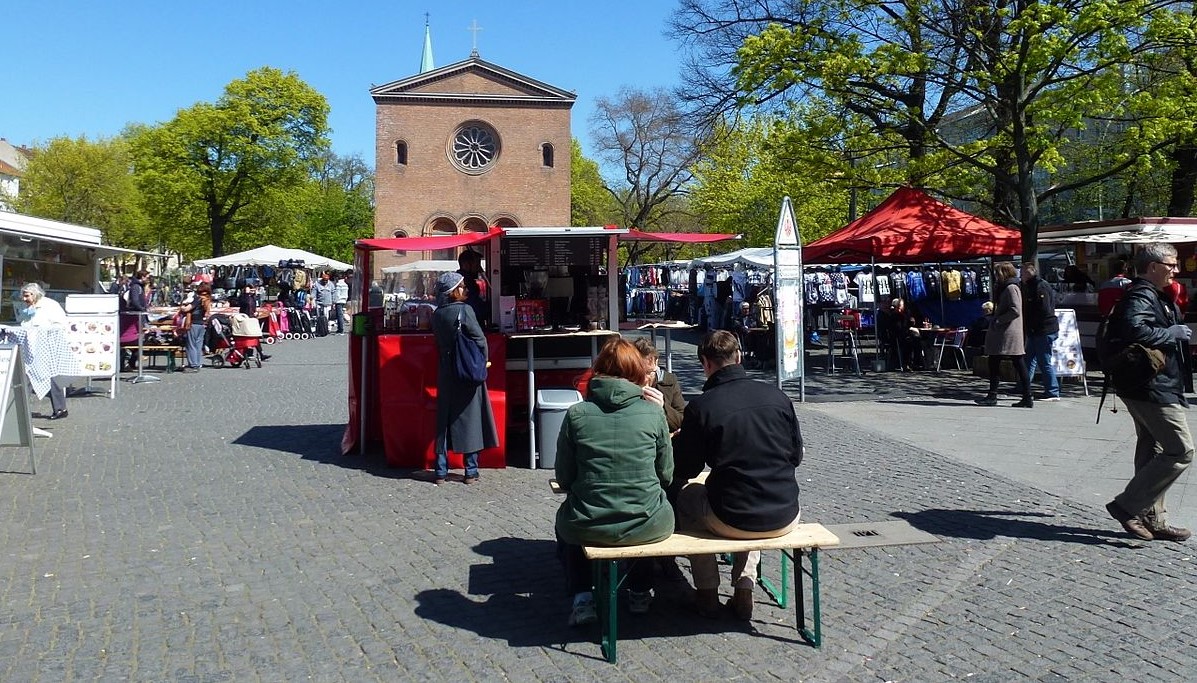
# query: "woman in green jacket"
{"points": [[614, 460]]}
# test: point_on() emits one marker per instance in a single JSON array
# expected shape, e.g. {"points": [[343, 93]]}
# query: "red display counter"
{"points": [[401, 385]]}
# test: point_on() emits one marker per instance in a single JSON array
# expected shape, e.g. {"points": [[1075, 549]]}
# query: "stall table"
{"points": [[666, 326]]}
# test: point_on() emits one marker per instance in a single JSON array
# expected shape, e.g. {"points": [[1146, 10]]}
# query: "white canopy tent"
{"points": [[761, 257], [270, 255]]}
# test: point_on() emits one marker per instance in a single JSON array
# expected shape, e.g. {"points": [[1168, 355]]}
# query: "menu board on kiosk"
{"points": [[533, 252]]}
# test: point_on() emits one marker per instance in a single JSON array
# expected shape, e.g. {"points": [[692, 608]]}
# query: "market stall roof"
{"points": [[761, 257], [433, 265], [634, 235], [1123, 231], [270, 255], [428, 243], [912, 227], [467, 239], [66, 233]]}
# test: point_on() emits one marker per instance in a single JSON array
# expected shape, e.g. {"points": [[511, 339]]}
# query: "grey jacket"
{"points": [[1005, 336]]}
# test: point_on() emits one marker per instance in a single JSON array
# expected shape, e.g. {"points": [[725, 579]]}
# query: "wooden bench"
{"points": [[804, 541], [152, 350]]}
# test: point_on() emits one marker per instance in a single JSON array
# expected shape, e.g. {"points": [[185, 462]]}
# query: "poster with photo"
{"points": [[93, 340], [1066, 352]]}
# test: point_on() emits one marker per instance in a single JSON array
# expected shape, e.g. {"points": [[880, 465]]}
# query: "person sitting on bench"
{"points": [[748, 434], [614, 461]]}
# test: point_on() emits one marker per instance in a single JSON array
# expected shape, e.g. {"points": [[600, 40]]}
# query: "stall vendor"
{"points": [[477, 288]]}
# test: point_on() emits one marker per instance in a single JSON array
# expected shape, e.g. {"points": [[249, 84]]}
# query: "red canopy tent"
{"points": [[912, 227]]}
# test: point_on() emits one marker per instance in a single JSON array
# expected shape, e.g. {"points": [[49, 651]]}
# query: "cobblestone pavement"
{"points": [[205, 528]]}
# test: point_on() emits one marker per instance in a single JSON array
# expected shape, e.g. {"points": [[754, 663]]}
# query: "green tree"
{"points": [[985, 97], [589, 201], [336, 207], [88, 183], [224, 173]]}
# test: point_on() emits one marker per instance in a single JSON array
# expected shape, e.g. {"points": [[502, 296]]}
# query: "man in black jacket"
{"points": [[1040, 328], [1156, 404], [748, 434]]}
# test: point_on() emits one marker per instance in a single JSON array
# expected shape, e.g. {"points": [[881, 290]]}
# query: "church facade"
{"points": [[467, 146]]}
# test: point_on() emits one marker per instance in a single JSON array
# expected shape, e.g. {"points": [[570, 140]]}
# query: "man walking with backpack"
{"points": [[1040, 327], [1157, 404]]}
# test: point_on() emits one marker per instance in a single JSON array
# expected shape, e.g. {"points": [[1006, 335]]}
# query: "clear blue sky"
{"points": [[88, 68]]}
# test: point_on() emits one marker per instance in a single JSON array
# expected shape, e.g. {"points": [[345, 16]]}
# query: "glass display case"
{"points": [[59, 267]]}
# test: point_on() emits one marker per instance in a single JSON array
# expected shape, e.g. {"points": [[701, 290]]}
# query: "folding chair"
{"points": [[952, 339]]}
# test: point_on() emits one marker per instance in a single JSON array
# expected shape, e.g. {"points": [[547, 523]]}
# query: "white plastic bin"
{"points": [[551, 405]]}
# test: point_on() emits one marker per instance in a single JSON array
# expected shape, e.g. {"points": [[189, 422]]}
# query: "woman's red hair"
{"points": [[621, 358]]}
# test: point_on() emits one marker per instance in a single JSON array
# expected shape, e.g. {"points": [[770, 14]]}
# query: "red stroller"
{"points": [[234, 339]]}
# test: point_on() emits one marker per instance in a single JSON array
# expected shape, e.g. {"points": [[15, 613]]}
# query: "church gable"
{"points": [[470, 79]]}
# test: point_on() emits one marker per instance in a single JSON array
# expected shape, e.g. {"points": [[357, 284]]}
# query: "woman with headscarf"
{"points": [[465, 422], [1004, 340]]}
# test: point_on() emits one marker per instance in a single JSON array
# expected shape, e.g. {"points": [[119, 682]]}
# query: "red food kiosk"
{"points": [[553, 298]]}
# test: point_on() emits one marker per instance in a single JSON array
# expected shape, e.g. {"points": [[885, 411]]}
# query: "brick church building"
{"points": [[466, 146]]}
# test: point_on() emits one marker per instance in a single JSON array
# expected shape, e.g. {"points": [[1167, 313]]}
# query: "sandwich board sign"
{"points": [[16, 428]]}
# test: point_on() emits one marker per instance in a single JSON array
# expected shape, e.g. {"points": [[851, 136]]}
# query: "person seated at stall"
{"points": [[899, 333], [614, 462], [1078, 280], [744, 322]]}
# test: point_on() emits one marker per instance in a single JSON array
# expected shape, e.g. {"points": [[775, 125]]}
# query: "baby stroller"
{"points": [[234, 339]]}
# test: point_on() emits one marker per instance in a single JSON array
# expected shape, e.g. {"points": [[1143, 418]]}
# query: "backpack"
{"points": [[1124, 366]]}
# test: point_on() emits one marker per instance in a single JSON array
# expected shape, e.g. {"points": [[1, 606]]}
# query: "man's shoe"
{"points": [[1170, 533], [1132, 524], [1027, 402], [741, 600], [706, 602], [57, 415], [438, 481], [1047, 397], [639, 602], [668, 571], [987, 401], [583, 611], [470, 480]]}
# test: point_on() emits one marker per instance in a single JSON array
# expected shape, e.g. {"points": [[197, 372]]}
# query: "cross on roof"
{"points": [[474, 28]]}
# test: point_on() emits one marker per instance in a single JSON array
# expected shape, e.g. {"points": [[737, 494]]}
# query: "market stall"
{"points": [[553, 299]]}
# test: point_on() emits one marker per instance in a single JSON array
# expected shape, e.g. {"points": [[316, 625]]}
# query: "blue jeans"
{"points": [[1039, 354], [442, 464], [339, 314], [195, 345]]}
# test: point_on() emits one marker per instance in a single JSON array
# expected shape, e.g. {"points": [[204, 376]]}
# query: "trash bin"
{"points": [[551, 405]]}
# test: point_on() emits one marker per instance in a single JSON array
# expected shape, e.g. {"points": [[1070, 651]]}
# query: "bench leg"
{"points": [[606, 584], [779, 594], [814, 637]]}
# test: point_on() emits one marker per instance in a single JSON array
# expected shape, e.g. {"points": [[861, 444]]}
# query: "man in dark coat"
{"points": [[1157, 405], [747, 433], [1040, 328]]}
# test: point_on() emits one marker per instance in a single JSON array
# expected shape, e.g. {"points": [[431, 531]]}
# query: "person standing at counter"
{"points": [[1040, 328], [469, 265], [43, 312], [465, 422], [196, 309], [340, 299]]}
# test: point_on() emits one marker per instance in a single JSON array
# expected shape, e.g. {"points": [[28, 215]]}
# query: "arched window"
{"points": [[442, 226], [546, 154], [400, 233], [401, 152]]}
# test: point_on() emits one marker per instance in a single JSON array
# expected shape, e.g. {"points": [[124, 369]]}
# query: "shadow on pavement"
{"points": [[526, 604], [989, 524]]}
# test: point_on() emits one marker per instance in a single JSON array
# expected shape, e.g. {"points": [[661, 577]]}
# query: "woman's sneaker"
{"points": [[583, 612], [638, 603]]}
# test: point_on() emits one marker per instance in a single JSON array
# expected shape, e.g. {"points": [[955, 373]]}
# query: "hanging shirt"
{"points": [[864, 287]]}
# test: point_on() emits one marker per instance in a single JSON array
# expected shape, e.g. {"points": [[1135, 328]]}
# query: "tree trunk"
{"points": [[1184, 178]]}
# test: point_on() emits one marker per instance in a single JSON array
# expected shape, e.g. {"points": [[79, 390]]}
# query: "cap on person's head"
{"points": [[448, 282]]}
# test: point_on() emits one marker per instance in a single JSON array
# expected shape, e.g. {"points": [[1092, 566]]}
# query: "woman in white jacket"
{"points": [[41, 311]]}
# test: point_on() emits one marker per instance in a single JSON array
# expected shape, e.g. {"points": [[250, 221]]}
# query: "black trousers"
{"points": [[1020, 369], [579, 576]]}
